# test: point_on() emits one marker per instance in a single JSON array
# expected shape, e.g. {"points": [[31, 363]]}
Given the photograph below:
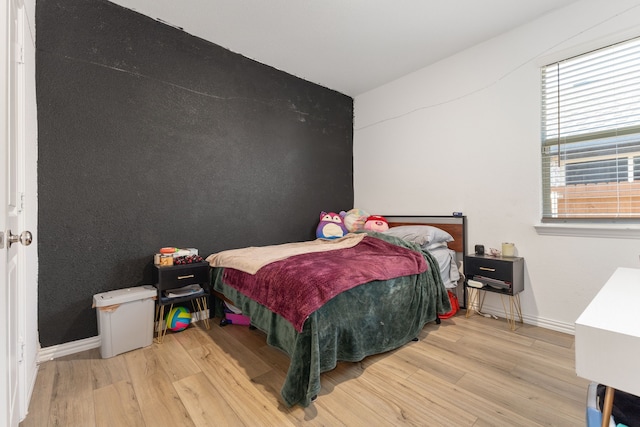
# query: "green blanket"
{"points": [[372, 318]]}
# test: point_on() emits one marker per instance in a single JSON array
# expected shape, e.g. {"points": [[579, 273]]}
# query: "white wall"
{"points": [[464, 135]]}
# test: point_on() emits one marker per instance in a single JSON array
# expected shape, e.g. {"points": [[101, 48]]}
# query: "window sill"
{"points": [[616, 231]]}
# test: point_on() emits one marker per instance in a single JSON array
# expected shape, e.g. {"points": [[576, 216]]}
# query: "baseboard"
{"points": [[60, 350], [56, 351], [554, 325]]}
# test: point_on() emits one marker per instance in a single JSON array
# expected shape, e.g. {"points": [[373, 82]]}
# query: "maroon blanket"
{"points": [[297, 286]]}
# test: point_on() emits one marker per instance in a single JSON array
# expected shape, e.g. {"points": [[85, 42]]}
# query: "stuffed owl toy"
{"points": [[331, 225], [376, 223]]}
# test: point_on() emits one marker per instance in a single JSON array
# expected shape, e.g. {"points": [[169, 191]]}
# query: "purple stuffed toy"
{"points": [[331, 225]]}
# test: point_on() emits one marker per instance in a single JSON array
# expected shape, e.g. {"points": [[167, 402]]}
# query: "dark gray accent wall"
{"points": [[150, 137]]}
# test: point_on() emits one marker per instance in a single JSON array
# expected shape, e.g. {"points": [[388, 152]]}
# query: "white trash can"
{"points": [[125, 319]]}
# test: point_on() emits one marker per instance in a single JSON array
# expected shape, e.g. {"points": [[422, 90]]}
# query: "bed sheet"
{"points": [[446, 259]]}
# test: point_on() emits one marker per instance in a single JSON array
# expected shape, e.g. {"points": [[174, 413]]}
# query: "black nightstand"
{"points": [[176, 277], [502, 275]]}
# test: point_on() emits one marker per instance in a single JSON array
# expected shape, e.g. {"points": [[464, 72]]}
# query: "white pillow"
{"points": [[423, 235]]}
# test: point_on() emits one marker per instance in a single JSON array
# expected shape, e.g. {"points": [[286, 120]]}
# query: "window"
{"points": [[595, 171], [591, 135]]}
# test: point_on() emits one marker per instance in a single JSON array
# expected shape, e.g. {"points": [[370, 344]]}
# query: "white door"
{"points": [[14, 237]]}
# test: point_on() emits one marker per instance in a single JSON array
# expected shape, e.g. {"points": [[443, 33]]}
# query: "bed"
{"points": [[359, 319]]}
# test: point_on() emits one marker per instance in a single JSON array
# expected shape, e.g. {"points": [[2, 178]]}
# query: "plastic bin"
{"points": [[125, 319], [594, 415]]}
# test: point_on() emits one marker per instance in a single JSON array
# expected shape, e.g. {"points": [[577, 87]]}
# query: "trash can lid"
{"points": [[120, 296]]}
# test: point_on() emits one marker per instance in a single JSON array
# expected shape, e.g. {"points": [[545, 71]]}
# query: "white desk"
{"points": [[608, 337]]}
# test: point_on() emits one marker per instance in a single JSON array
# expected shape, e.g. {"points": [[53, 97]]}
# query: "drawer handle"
{"points": [[487, 269], [189, 276]]}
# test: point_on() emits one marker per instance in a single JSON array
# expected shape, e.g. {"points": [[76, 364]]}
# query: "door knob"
{"points": [[25, 238]]}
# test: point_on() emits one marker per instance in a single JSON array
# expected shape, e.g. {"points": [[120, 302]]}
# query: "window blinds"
{"points": [[591, 135]]}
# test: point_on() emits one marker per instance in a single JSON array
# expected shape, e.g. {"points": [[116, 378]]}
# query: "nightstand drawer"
{"points": [[177, 276], [489, 267]]}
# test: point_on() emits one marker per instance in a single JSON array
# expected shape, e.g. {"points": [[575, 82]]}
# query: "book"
{"points": [[189, 290]]}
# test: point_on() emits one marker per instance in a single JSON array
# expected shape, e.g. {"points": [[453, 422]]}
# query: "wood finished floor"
{"points": [[463, 372]]}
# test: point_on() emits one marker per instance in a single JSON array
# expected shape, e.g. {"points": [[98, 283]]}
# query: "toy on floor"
{"points": [[178, 319]]}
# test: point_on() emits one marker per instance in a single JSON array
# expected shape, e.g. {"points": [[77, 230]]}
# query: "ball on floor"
{"points": [[178, 319]]}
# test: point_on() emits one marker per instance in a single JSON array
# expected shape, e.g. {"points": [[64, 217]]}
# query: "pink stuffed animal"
{"points": [[376, 223]]}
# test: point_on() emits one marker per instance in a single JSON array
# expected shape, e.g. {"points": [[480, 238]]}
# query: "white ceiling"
{"points": [[351, 46]]}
